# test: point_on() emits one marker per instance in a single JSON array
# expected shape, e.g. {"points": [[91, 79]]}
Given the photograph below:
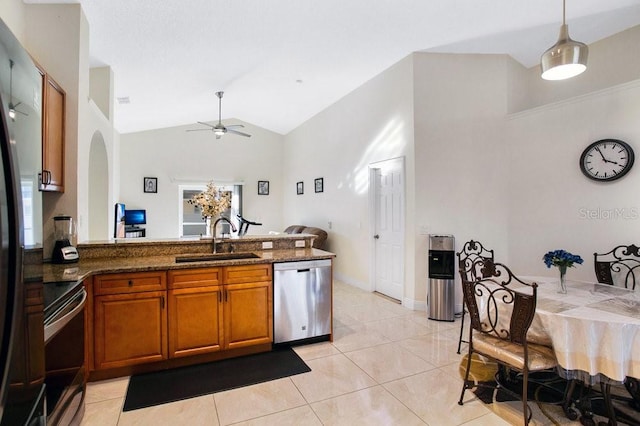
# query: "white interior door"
{"points": [[388, 237]]}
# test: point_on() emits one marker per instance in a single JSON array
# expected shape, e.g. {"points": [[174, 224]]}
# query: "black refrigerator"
{"points": [[21, 339]]}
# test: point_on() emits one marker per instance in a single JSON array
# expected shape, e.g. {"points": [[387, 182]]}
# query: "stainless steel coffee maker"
{"points": [[63, 231]]}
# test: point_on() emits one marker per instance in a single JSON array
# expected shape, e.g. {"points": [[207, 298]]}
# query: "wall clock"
{"points": [[606, 160]]}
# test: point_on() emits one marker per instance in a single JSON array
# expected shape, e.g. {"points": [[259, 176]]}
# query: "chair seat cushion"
{"points": [[503, 351]]}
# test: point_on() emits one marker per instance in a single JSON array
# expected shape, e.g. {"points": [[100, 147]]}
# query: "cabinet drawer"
{"points": [[247, 273], [188, 278], [129, 283]]}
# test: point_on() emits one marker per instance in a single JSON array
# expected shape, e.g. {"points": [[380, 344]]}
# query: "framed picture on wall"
{"points": [[319, 184], [263, 187], [300, 188], [151, 184]]}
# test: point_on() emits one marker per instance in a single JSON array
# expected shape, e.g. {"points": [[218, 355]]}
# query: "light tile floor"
{"points": [[387, 365]]}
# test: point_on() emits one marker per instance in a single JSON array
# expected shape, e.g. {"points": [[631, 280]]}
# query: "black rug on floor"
{"points": [[160, 387]]}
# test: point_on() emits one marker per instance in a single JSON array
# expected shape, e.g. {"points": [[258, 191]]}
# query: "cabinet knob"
{"points": [[130, 283]]}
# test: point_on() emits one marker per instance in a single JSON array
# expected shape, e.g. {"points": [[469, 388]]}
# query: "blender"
{"points": [[63, 230]]}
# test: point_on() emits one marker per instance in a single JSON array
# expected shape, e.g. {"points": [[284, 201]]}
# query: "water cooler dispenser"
{"points": [[441, 277]]}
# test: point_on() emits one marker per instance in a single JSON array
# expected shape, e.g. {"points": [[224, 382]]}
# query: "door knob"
{"points": [[376, 236]]}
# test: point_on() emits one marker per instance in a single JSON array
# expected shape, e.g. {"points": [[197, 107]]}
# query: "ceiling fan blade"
{"points": [[199, 130], [238, 133], [205, 124], [234, 125]]}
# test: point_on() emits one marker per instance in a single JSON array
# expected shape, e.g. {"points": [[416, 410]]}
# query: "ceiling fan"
{"points": [[13, 107], [220, 129]]}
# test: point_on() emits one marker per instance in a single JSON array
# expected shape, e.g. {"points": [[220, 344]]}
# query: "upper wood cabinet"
{"points": [[53, 134]]}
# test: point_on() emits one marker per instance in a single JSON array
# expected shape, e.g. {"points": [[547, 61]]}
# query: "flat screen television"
{"points": [[135, 217]]}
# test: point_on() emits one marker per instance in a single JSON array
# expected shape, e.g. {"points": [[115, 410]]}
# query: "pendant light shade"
{"points": [[565, 59]]}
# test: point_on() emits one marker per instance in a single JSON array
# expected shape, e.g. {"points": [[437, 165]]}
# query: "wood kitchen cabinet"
{"points": [[195, 312], [208, 314], [27, 365], [53, 134], [130, 319], [248, 307], [208, 311]]}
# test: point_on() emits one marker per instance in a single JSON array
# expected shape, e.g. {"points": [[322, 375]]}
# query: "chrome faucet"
{"points": [[215, 226]]}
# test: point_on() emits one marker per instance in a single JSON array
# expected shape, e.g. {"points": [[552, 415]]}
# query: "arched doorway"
{"points": [[98, 189]]}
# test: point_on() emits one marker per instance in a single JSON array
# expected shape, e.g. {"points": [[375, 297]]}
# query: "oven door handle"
{"points": [[64, 315]]}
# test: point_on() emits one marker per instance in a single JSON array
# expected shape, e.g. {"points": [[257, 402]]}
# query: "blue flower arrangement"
{"points": [[561, 258]]}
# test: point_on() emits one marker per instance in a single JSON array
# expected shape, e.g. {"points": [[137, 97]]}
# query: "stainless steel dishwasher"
{"points": [[301, 300]]}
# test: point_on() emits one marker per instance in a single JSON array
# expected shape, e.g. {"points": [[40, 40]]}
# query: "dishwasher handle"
{"points": [[301, 266]]}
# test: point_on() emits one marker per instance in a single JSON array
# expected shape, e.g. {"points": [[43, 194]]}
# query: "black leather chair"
{"points": [[618, 266], [471, 252]]}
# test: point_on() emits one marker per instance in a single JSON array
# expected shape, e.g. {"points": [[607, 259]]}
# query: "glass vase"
{"points": [[207, 227], [563, 285]]}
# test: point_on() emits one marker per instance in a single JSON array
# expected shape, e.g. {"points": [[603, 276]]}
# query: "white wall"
{"points": [[460, 106], [612, 61], [553, 205], [475, 172], [56, 37], [12, 12], [372, 123], [176, 157]]}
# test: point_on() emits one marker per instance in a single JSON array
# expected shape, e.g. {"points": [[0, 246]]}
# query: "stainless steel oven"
{"points": [[65, 377]]}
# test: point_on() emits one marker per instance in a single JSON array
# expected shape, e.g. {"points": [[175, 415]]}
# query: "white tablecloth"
{"points": [[594, 328]]}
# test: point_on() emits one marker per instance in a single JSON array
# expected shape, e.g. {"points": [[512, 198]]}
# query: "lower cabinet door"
{"points": [[129, 329], [195, 321], [248, 314]]}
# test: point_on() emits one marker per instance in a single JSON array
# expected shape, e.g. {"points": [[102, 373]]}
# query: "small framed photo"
{"points": [[319, 184], [300, 188], [263, 187], [151, 184]]}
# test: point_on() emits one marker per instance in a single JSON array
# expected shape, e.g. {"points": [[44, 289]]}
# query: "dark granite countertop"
{"points": [[93, 266]]}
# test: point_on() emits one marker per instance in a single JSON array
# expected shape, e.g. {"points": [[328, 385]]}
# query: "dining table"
{"points": [[594, 330]]}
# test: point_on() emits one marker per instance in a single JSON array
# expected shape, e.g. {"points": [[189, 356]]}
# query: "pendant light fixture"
{"points": [[565, 59]]}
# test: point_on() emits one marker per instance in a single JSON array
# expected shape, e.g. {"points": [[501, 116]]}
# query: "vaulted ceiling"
{"points": [[280, 62]]}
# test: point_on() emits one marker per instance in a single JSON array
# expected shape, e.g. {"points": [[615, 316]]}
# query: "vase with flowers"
{"points": [[212, 202], [563, 260]]}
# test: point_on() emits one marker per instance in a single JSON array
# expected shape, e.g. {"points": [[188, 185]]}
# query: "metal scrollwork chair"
{"points": [[618, 266], [501, 308], [471, 251]]}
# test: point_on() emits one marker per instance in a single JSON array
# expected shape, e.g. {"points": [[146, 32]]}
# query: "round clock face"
{"points": [[606, 160]]}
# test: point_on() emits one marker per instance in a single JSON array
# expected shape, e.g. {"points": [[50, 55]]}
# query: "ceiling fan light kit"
{"points": [[565, 59], [220, 129]]}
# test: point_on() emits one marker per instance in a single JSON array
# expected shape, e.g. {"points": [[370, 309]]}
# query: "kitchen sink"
{"points": [[214, 256]]}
